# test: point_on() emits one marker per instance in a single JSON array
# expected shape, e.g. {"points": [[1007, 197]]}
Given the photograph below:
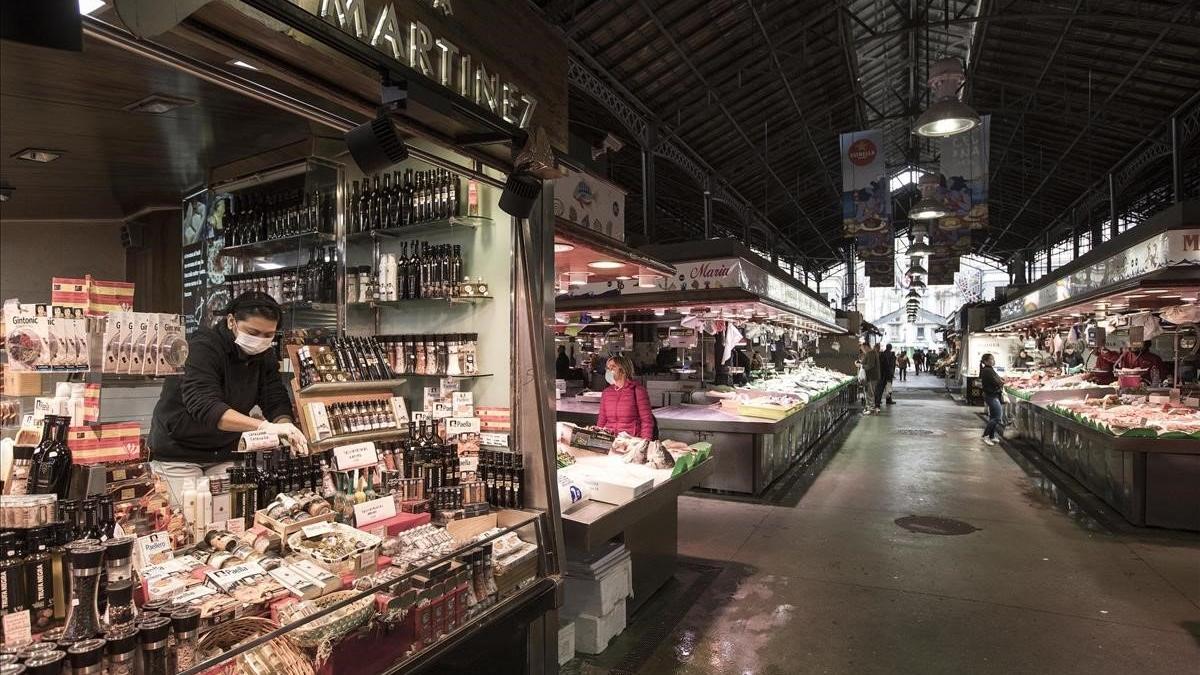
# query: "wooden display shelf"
{"points": [[365, 387], [360, 437]]}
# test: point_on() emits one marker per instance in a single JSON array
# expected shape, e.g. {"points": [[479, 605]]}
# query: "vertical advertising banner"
{"points": [[965, 167], [204, 267], [942, 270], [866, 204], [881, 272]]}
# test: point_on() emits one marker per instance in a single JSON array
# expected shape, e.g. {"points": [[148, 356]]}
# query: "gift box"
{"points": [[111, 442]]}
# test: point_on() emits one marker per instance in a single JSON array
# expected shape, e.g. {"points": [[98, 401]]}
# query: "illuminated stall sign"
{"points": [[1159, 252], [411, 42]]}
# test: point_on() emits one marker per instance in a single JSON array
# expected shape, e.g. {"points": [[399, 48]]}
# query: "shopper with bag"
{"points": [[624, 404], [902, 365], [887, 373], [993, 396]]}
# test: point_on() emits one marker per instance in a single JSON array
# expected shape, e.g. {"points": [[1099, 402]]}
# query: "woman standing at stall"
{"points": [[993, 389], [230, 370], [624, 404]]}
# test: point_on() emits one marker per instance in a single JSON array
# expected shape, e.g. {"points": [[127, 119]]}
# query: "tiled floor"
{"points": [[833, 585]]}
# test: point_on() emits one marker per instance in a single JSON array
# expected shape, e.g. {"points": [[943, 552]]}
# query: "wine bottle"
{"points": [[50, 468]]}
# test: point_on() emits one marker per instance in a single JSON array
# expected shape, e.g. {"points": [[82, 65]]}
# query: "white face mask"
{"points": [[608, 377], [251, 344]]}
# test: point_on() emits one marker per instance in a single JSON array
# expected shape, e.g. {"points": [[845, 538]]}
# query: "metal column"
{"points": [[1112, 206], [708, 207], [649, 182], [1176, 162]]}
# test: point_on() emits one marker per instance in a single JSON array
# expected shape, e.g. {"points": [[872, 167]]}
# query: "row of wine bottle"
{"points": [[406, 199], [262, 216]]}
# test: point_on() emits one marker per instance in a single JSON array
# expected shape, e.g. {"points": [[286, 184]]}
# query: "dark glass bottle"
{"points": [[50, 468], [384, 202], [406, 199], [106, 516], [352, 225]]}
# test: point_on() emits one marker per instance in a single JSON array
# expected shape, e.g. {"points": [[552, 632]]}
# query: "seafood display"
{"points": [[1133, 416]]}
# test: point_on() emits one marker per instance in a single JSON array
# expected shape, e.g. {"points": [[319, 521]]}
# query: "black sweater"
{"points": [[217, 376], [993, 384]]}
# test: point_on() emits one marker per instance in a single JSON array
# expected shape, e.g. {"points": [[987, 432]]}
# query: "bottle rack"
{"points": [[330, 393]]}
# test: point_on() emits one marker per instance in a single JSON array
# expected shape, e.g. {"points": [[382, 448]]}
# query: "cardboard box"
{"points": [[600, 595], [615, 489]]}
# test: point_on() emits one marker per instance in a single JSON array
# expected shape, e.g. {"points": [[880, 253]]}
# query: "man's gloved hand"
{"points": [[293, 433]]}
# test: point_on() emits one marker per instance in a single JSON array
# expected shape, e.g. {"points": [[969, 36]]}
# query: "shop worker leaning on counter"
{"points": [[230, 370]]}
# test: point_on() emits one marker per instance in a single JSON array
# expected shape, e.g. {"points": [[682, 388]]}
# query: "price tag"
{"points": [[400, 411], [1192, 401], [17, 628], [468, 463], [316, 530], [1159, 398], [235, 525], [253, 441], [374, 511], [355, 456]]}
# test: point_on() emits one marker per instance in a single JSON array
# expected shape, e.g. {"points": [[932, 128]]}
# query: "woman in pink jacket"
{"points": [[624, 405]]}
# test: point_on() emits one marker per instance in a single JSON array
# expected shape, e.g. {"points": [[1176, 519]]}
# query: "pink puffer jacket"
{"points": [[626, 409]]}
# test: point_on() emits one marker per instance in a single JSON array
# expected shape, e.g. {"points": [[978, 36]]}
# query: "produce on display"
{"points": [[1133, 416]]}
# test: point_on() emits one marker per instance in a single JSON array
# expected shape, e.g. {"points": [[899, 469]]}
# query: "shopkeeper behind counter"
{"points": [[230, 369]]}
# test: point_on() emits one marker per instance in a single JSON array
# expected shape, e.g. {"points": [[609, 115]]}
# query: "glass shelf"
{"points": [[397, 304], [415, 228], [360, 437], [308, 306], [288, 244], [477, 376]]}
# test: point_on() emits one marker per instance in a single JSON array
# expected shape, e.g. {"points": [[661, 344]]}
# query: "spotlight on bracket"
{"points": [[520, 193], [376, 145]]}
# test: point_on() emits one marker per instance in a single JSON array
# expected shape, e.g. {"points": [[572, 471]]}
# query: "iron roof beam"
{"points": [[1082, 132], [737, 127]]}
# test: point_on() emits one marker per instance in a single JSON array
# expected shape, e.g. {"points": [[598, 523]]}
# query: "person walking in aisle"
{"points": [[873, 367], [902, 365], [993, 388], [918, 360], [887, 372], [870, 364]]}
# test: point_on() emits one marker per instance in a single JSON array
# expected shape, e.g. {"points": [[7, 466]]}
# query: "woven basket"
{"points": [[284, 656], [329, 629]]}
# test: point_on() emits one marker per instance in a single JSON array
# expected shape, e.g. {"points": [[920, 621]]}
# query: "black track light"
{"points": [[376, 145]]}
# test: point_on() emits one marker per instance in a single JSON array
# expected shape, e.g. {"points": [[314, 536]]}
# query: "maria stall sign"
{"points": [[458, 45], [701, 275], [591, 202], [1173, 248]]}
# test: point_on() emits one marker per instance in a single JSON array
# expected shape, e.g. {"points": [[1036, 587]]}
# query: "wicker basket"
{"points": [[329, 629], [284, 657]]}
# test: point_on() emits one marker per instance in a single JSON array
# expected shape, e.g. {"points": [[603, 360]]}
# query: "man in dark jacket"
{"points": [[918, 360], [887, 372], [993, 389]]}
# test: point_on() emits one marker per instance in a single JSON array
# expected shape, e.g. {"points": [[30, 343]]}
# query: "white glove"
{"points": [[294, 435]]}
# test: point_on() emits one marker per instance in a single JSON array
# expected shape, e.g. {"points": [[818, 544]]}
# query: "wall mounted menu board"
{"points": [[204, 268]]}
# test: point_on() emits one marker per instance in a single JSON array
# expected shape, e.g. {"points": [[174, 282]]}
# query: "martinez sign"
{"points": [[410, 42]]}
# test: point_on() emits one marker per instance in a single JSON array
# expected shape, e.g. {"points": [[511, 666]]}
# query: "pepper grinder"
{"points": [[83, 618]]}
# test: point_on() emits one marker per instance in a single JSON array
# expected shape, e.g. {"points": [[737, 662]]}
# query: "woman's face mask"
{"points": [[251, 339], [609, 377]]}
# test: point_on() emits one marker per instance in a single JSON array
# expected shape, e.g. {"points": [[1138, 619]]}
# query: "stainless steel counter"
{"points": [[1148, 481], [648, 526]]}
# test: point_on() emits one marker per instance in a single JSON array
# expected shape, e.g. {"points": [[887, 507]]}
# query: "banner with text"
{"points": [[965, 168], [866, 203]]}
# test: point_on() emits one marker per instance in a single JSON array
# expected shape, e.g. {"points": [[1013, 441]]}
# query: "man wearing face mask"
{"points": [[1140, 356], [230, 369]]}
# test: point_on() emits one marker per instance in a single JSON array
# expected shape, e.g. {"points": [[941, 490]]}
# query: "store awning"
{"points": [[1151, 266], [730, 303], [592, 256]]}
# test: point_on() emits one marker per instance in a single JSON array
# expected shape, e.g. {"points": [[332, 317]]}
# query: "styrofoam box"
{"points": [[566, 641], [598, 596], [593, 633], [616, 489]]}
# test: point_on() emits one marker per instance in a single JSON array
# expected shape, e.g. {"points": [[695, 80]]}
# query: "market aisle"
{"points": [[835, 585]]}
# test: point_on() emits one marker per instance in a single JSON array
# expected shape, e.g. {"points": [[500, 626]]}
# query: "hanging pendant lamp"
{"points": [[916, 267], [913, 294], [930, 206], [947, 115], [916, 283]]}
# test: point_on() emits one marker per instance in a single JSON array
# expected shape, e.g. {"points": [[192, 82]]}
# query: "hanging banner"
{"points": [[942, 270], [949, 241], [964, 165], [882, 273], [592, 202], [866, 203]]}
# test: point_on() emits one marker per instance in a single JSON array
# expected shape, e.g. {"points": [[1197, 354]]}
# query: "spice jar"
{"points": [[443, 355], [420, 347], [122, 651], [87, 657], [469, 348], [153, 634], [121, 612], [454, 365], [83, 618], [46, 663], [185, 623]]}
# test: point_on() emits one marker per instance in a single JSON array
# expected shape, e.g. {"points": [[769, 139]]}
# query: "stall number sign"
{"points": [[412, 43]]}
